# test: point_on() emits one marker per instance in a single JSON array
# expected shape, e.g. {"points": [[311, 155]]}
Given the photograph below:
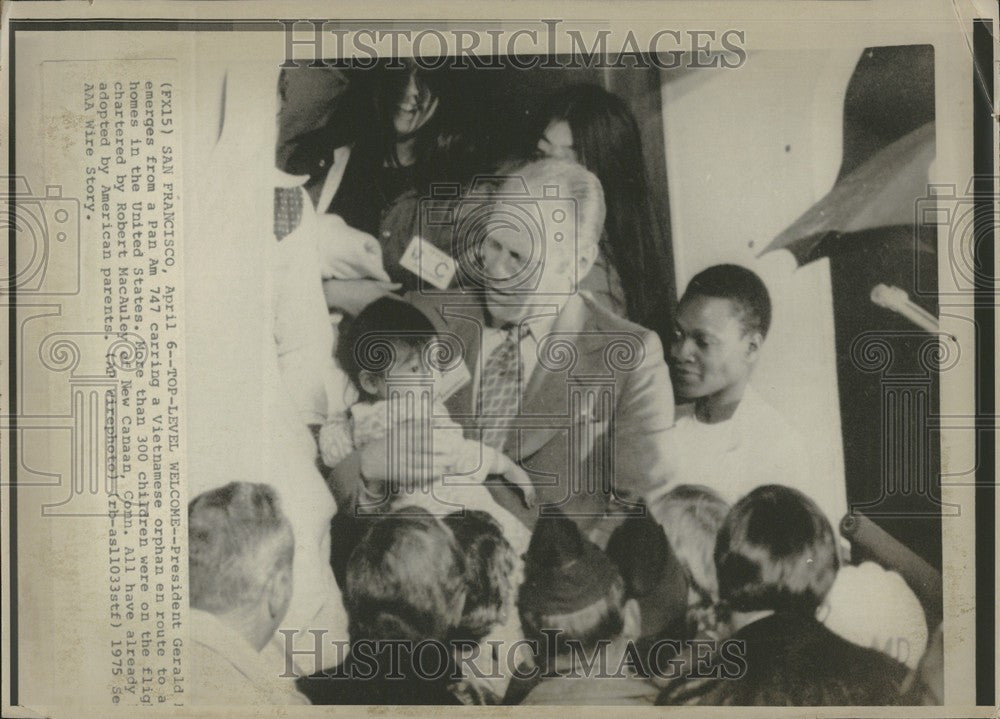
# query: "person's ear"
{"points": [[585, 257], [632, 619], [370, 382], [279, 591], [754, 343], [585, 261]]}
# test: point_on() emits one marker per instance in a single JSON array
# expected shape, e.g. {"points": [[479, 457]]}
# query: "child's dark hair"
{"points": [[380, 330]]}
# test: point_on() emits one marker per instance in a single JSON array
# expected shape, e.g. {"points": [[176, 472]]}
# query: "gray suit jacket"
{"points": [[593, 426]]}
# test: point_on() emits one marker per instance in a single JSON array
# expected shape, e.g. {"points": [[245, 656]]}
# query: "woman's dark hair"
{"points": [[442, 147], [776, 550], [607, 142], [444, 151]]}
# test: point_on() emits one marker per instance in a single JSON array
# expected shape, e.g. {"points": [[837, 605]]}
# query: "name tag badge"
{"points": [[428, 263], [452, 380]]}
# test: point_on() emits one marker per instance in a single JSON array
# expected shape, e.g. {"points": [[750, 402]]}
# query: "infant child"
{"points": [[387, 353]]}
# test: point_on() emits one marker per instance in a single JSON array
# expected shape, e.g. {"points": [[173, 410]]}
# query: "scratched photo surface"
{"points": [[448, 361]]}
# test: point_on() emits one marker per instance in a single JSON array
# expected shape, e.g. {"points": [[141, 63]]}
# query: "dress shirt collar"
{"points": [[538, 324]]}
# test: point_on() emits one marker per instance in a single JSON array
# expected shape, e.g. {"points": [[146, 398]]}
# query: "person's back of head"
{"points": [[405, 580], [776, 559], [240, 552], [691, 516], [653, 577], [572, 597], [490, 565], [775, 551]]}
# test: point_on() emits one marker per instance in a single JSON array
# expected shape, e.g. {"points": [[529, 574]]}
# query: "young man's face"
{"points": [[710, 353]]}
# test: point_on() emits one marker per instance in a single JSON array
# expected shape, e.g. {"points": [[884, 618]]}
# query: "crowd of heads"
{"points": [[415, 578]]}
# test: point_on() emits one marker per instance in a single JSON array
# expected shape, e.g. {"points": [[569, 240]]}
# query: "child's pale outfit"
{"points": [[462, 488]]}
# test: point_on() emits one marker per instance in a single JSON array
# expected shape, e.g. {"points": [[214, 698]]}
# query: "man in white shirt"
{"points": [[241, 548], [728, 438]]}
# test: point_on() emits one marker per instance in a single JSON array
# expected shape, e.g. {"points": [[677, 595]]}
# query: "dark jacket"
{"points": [[793, 660], [355, 682]]}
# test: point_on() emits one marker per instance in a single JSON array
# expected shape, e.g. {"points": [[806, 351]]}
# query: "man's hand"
{"points": [[504, 465], [408, 459], [520, 479], [352, 296]]}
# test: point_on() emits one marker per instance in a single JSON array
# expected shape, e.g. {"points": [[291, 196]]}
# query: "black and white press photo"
{"points": [[624, 357]]}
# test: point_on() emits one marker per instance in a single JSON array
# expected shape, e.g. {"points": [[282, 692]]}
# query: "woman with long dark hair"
{"points": [[414, 139], [393, 131], [596, 128]]}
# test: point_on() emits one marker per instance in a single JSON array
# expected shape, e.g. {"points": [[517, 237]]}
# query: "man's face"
{"points": [[710, 354], [522, 266], [516, 269]]}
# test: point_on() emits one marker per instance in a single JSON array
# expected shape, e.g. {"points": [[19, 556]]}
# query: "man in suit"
{"points": [[577, 396]]}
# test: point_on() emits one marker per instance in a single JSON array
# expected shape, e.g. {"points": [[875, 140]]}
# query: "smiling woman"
{"points": [[412, 139]]}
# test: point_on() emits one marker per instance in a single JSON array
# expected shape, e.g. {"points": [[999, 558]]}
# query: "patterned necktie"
{"points": [[287, 210], [500, 387]]}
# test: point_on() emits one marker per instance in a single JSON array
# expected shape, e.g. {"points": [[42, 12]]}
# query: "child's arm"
{"points": [[504, 465], [493, 461], [335, 440]]}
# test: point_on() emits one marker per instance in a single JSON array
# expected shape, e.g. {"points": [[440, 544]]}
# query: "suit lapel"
{"points": [[545, 406], [546, 399], [466, 321]]}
